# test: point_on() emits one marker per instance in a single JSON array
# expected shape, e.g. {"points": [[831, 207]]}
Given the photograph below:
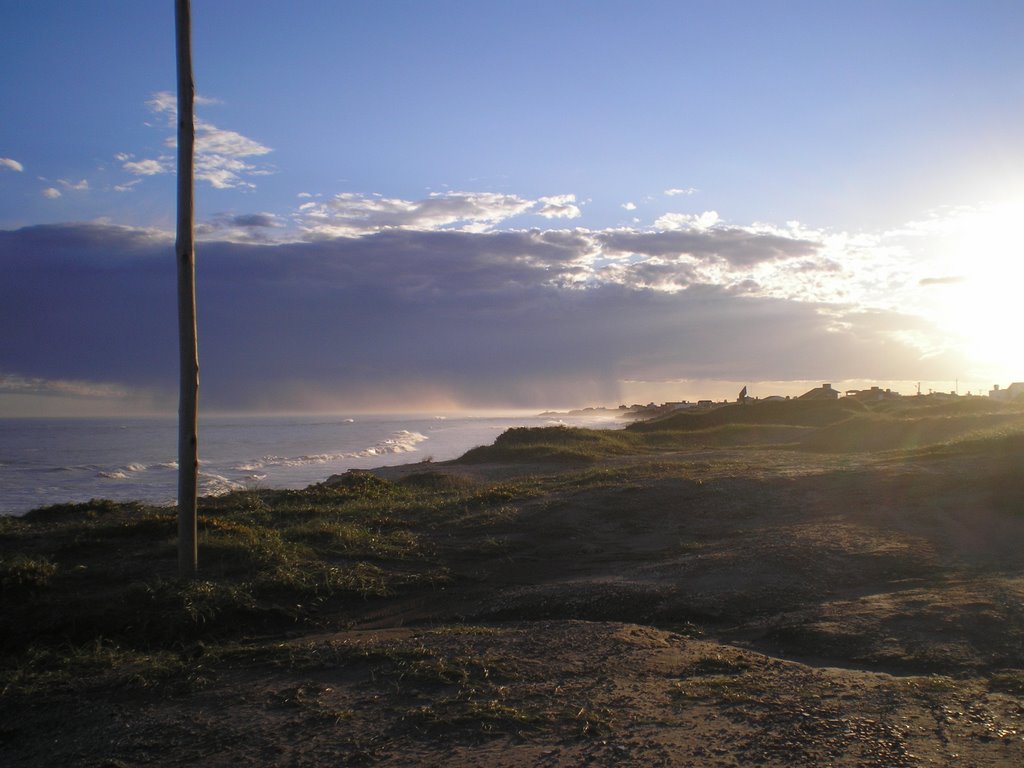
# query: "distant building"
{"points": [[1012, 392], [872, 395], [824, 392]]}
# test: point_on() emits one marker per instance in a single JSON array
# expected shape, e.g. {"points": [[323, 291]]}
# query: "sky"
{"points": [[491, 205]]}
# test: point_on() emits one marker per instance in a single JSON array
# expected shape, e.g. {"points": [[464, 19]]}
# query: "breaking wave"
{"points": [[217, 485], [134, 468], [403, 441]]}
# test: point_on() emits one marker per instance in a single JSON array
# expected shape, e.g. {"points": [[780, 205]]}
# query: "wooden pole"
{"points": [[188, 396]]}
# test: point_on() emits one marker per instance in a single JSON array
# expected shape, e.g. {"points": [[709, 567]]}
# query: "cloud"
{"points": [[737, 246], [256, 220], [351, 214], [676, 191], [948, 280], [12, 383], [704, 220], [76, 186], [222, 157], [629, 206], [128, 186], [246, 227], [559, 207], [150, 167], [214, 141], [51, 193], [164, 102], [14, 165], [496, 318]]}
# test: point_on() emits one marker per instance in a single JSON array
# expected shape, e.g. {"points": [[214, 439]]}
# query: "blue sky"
{"points": [[486, 205]]}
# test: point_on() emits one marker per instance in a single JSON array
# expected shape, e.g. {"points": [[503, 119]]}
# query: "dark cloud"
{"points": [[663, 275], [254, 220], [737, 246], [247, 227], [495, 319], [86, 302]]}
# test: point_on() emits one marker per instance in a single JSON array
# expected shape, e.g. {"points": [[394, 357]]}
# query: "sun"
{"points": [[976, 287]]}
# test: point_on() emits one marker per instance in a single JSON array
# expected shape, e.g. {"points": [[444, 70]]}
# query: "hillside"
{"points": [[655, 595]]}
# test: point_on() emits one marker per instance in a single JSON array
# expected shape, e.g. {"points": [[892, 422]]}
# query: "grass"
{"points": [[840, 426], [98, 664], [90, 596], [76, 574], [793, 413], [1008, 681], [888, 431], [25, 575], [722, 688], [94, 613], [1002, 446], [554, 445], [77, 580], [568, 446], [311, 699], [941, 684], [466, 690]]}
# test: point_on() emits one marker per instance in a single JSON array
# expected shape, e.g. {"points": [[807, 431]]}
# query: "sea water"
{"points": [[52, 461]]}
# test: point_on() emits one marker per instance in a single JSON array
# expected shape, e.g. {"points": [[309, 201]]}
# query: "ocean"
{"points": [[52, 461]]}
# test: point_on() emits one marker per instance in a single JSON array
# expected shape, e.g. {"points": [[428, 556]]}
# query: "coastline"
{"points": [[690, 595], [56, 461]]}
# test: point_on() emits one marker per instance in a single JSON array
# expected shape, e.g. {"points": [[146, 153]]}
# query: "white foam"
{"points": [[217, 485], [402, 441], [132, 468]]}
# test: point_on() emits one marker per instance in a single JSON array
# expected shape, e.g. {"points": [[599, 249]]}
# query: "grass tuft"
{"points": [[24, 575]]}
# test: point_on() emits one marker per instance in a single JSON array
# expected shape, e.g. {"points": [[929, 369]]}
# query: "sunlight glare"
{"points": [[976, 298]]}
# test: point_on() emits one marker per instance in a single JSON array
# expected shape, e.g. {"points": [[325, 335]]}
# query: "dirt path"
{"points": [[536, 693]]}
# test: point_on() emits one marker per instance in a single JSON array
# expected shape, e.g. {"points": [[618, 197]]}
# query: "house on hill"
{"points": [[1012, 392], [872, 395], [824, 392]]}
